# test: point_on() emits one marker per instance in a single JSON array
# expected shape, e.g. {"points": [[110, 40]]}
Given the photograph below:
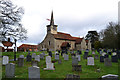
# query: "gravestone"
{"points": [[76, 68], [75, 61], [66, 57], [114, 58], [20, 62], [72, 77], [96, 56], [85, 55], [110, 77], [41, 56], [29, 58], [59, 61], [10, 70], [101, 58], [90, 60], [37, 58], [78, 56], [34, 63], [93, 52], [21, 56], [50, 66], [34, 72], [33, 55], [57, 57], [5, 60], [103, 54], [107, 62], [48, 59], [79, 52]]}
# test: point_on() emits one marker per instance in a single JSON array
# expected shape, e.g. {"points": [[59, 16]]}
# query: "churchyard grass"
{"points": [[61, 70]]}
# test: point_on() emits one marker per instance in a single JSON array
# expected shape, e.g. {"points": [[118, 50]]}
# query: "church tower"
{"points": [[52, 28]]}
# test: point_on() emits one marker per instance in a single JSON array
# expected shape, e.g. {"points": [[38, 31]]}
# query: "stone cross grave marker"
{"points": [[29, 58], [10, 70], [20, 62], [107, 62], [37, 58], [90, 60], [34, 72], [75, 61], [33, 55], [66, 57], [76, 68], [5, 60]]}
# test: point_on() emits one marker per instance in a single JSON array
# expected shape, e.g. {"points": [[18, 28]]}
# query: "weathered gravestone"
{"points": [[5, 60], [37, 58], [114, 58], [57, 57], [76, 68], [33, 55], [59, 61], [48, 59], [50, 66], [34, 72], [75, 61], [72, 77], [34, 63], [107, 62], [96, 56], [29, 58], [101, 58], [90, 60], [41, 56], [66, 57], [20, 62], [21, 56], [78, 56], [110, 77], [93, 52], [85, 55], [10, 70]]}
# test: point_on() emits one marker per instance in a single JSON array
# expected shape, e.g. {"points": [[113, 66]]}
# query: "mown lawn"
{"points": [[61, 70]]}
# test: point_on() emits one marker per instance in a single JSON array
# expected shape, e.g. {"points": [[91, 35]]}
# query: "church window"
{"points": [[49, 42]]}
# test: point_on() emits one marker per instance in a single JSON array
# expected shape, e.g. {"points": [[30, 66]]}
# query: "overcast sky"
{"points": [[75, 17]]}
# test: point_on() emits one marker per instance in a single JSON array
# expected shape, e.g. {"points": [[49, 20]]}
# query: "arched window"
{"points": [[49, 43]]}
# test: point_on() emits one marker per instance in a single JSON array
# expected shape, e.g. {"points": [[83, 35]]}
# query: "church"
{"points": [[55, 40]]}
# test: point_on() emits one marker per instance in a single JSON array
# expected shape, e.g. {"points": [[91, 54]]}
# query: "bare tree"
{"points": [[10, 21]]}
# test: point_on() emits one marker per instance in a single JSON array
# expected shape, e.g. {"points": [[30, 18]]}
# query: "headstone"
{"points": [[72, 77], [37, 58], [21, 56], [59, 61], [48, 59], [75, 61], [114, 58], [110, 77], [96, 56], [29, 58], [78, 56], [5, 60], [85, 55], [20, 62], [57, 57], [50, 66], [34, 72], [93, 52], [66, 57], [41, 56], [103, 54], [34, 63], [101, 58], [10, 70], [90, 60], [33, 55], [107, 62], [76, 68]]}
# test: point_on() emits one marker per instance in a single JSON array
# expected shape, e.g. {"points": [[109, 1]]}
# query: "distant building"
{"points": [[55, 40], [27, 47]]}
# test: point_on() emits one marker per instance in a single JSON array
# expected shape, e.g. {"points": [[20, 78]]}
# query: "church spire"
{"points": [[52, 19]]}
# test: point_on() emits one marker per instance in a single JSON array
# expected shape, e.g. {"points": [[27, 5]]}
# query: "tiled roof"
{"points": [[28, 46], [6, 43]]}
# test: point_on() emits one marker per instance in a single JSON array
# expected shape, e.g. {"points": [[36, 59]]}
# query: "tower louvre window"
{"points": [[49, 43]]}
